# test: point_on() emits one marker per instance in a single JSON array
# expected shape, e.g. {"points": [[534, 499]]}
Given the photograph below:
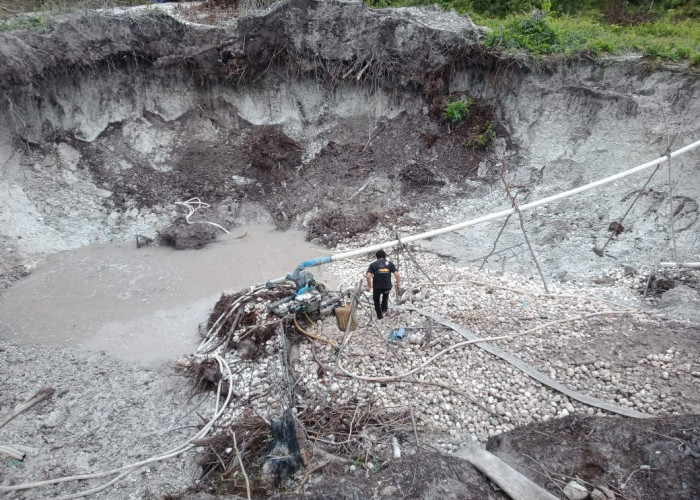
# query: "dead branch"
{"points": [[309, 472], [522, 224], [415, 430], [495, 243], [376, 132], [413, 259], [240, 463], [671, 214], [236, 320], [428, 337], [601, 252], [364, 186], [40, 396]]}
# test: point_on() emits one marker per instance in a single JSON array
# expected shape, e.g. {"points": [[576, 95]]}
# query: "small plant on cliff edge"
{"points": [[484, 136], [456, 111], [31, 23]]}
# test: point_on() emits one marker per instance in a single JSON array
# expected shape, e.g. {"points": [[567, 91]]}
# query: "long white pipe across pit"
{"points": [[509, 211], [494, 215]]}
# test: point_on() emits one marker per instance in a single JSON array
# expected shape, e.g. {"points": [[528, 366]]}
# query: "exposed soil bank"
{"points": [[132, 112]]}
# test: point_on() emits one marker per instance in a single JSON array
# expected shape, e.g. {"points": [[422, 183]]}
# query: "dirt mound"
{"points": [[269, 149], [182, 235], [643, 459], [337, 225], [415, 175]]}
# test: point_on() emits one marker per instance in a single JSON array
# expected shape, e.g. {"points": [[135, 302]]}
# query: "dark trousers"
{"points": [[381, 301]]}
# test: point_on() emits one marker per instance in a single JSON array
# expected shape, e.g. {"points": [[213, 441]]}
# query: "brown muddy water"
{"points": [[144, 305]]}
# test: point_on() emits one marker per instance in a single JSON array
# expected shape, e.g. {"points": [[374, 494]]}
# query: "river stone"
{"points": [[574, 491]]}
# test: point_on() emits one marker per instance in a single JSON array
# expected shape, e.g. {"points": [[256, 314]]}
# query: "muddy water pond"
{"points": [[144, 305]]}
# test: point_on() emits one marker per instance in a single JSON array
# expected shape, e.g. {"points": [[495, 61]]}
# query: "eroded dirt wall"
{"points": [[330, 125]]}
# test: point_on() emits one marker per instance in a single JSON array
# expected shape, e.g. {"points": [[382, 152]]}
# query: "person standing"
{"points": [[379, 274]]}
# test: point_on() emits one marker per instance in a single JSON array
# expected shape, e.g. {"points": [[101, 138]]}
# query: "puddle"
{"points": [[144, 305]]}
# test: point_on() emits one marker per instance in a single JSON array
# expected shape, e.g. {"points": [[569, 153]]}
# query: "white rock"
{"points": [[598, 495], [575, 491]]}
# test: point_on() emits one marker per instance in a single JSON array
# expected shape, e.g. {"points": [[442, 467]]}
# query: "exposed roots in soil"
{"points": [[418, 176], [221, 464], [204, 375], [355, 431], [336, 225], [270, 150]]}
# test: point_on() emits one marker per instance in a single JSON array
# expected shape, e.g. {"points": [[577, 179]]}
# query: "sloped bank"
{"points": [[329, 116]]}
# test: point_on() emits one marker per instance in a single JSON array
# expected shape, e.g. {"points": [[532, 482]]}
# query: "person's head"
{"points": [[381, 254]]}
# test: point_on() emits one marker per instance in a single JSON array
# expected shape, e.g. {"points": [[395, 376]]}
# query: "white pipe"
{"points": [[686, 265], [488, 217], [509, 211]]}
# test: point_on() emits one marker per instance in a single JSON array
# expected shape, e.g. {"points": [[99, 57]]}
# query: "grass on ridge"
{"points": [[667, 38]]}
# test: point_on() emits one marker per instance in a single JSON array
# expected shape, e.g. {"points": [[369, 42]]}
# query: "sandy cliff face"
{"points": [[110, 118]]}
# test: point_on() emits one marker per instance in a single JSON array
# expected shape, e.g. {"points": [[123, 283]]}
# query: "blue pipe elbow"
{"points": [[314, 262]]}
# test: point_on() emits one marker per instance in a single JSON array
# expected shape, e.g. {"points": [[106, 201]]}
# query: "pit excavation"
{"points": [[190, 215]]}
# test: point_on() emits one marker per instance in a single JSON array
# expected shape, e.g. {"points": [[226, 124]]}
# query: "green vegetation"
{"points": [[660, 29], [484, 135], [34, 22], [456, 111], [664, 30], [661, 39]]}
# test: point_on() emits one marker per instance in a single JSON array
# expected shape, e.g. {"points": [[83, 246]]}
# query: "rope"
{"points": [[194, 204], [313, 336]]}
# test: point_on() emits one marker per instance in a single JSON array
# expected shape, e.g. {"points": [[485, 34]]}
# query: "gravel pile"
{"points": [[598, 342], [105, 413]]}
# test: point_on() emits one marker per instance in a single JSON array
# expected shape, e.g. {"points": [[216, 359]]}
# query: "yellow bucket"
{"points": [[342, 315]]}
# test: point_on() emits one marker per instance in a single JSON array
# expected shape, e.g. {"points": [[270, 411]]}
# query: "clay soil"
{"points": [[632, 459]]}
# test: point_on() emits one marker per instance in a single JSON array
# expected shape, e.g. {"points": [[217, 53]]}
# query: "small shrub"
{"points": [[31, 23], [456, 111], [534, 34], [484, 135]]}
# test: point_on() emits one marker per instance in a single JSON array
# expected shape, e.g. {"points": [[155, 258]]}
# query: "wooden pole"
{"points": [[517, 486]]}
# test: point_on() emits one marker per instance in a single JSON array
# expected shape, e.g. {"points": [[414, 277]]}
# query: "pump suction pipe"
{"points": [[485, 218]]}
